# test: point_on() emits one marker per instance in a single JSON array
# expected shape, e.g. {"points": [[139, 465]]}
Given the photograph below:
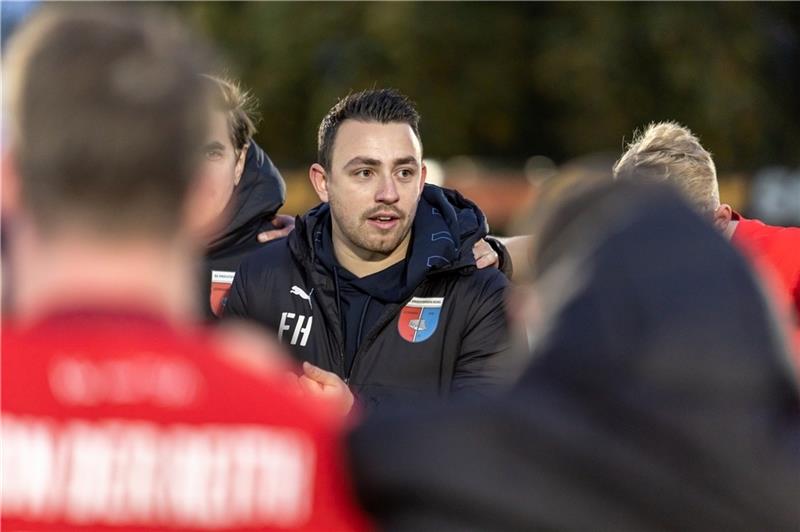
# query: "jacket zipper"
{"points": [[387, 317]]}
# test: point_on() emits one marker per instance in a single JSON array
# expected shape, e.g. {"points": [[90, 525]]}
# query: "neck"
{"points": [[77, 269], [361, 262], [730, 229]]}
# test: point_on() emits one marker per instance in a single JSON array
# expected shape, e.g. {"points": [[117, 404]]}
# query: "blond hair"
{"points": [[240, 107], [668, 151]]}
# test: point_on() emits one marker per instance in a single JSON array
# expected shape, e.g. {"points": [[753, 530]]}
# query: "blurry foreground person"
{"points": [[116, 412], [660, 395]]}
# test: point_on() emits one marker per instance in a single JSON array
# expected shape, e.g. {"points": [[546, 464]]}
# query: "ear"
{"points": [[239, 169], [423, 176], [319, 180], [722, 217]]}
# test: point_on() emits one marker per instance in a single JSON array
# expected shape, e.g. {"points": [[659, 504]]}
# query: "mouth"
{"points": [[384, 220]]}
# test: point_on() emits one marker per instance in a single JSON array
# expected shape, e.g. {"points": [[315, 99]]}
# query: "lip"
{"points": [[384, 225]]}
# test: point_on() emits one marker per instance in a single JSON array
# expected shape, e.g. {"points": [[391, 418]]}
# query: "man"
{"points": [[116, 411], [659, 396], [377, 285], [243, 188], [246, 190], [670, 152]]}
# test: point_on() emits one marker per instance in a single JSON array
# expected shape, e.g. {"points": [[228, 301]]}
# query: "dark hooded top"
{"points": [[660, 397], [254, 203], [430, 326]]}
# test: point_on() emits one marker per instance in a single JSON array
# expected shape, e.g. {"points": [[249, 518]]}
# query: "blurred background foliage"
{"points": [[514, 93], [506, 81]]}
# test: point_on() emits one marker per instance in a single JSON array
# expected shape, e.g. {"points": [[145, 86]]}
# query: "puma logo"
{"points": [[299, 292]]}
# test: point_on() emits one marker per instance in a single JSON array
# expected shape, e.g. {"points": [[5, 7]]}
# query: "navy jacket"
{"points": [[660, 397], [258, 197], [440, 329]]}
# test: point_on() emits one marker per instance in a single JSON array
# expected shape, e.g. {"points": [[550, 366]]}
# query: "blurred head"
{"points": [[224, 151], [669, 152], [105, 112], [370, 170]]}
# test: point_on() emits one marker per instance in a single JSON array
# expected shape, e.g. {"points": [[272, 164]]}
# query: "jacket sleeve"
{"points": [[485, 363]]}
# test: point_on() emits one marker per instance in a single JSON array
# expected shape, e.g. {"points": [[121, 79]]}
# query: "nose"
{"points": [[387, 191]]}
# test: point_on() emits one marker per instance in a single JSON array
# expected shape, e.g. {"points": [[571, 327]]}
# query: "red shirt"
{"points": [[119, 421], [777, 248]]}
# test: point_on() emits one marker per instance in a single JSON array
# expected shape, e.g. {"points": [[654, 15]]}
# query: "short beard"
{"points": [[383, 245]]}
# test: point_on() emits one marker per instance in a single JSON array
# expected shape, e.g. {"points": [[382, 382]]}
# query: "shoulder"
{"points": [[250, 367], [271, 256], [483, 282], [782, 243]]}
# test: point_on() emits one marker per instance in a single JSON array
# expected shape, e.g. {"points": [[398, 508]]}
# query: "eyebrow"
{"points": [[406, 160], [215, 145], [368, 161]]}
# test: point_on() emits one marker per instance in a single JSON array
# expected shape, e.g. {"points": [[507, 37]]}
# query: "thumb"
{"points": [[319, 374]]}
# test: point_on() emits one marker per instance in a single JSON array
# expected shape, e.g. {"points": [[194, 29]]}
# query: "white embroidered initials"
{"points": [[301, 328]]}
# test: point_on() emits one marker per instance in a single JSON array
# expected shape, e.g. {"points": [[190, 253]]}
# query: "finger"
{"points": [[486, 260], [320, 375], [481, 247], [266, 236], [309, 386]]}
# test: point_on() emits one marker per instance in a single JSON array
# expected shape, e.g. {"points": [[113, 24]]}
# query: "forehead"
{"points": [[218, 128], [376, 140]]}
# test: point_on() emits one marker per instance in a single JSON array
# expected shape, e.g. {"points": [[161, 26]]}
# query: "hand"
{"points": [[328, 386], [283, 223], [485, 256]]}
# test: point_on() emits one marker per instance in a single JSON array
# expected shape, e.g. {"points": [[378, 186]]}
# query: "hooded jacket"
{"points": [[436, 325], [660, 397], [258, 197]]}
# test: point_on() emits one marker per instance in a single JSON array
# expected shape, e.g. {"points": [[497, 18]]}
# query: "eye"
{"points": [[213, 154], [406, 173], [364, 172]]}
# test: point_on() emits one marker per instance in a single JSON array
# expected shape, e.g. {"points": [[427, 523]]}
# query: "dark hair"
{"points": [[108, 110], [376, 105]]}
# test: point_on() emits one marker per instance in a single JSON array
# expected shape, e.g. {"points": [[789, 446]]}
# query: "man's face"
{"points": [[220, 170], [374, 184]]}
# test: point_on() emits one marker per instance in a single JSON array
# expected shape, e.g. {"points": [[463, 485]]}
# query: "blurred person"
{"points": [[243, 188], [669, 152], [377, 286], [117, 412], [659, 397]]}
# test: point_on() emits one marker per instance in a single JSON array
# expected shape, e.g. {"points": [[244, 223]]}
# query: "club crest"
{"points": [[220, 287], [419, 318]]}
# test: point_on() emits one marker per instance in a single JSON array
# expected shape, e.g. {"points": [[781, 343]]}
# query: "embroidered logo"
{"points": [[299, 292], [419, 318], [221, 282]]}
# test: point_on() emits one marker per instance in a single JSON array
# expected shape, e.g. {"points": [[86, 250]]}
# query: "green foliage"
{"points": [[510, 80]]}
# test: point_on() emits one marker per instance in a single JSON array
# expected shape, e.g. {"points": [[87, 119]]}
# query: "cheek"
{"points": [[217, 181], [216, 189]]}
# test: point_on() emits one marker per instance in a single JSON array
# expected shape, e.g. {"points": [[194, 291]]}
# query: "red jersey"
{"points": [[778, 249], [121, 421]]}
